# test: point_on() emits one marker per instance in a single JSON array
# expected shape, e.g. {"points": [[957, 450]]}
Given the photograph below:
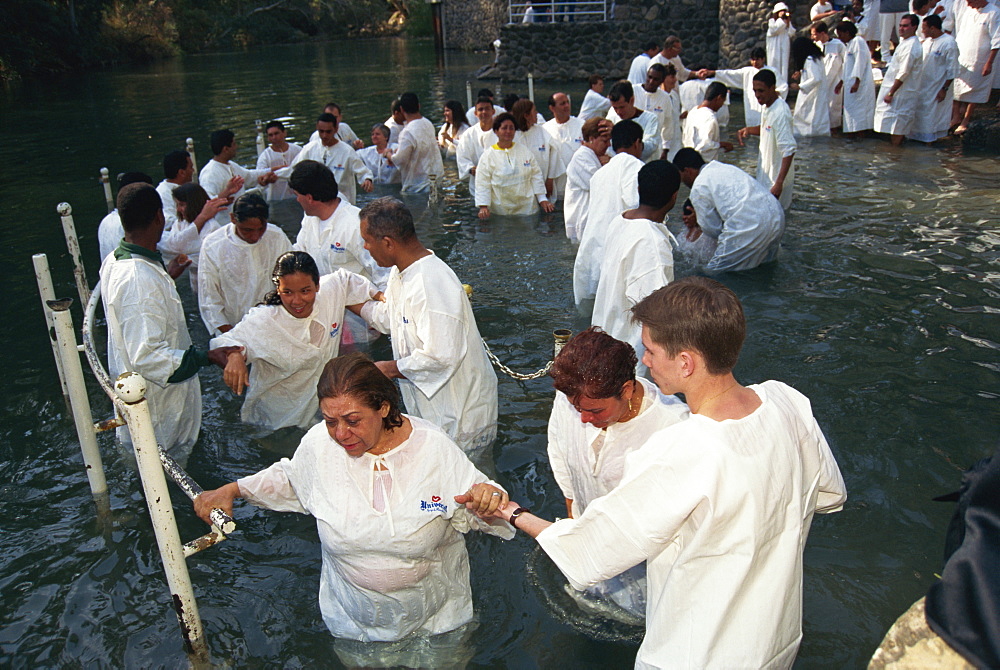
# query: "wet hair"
{"points": [[501, 117], [622, 90], [591, 128], [509, 100], [688, 158], [659, 182], [355, 375], [803, 49], [766, 77], [687, 208], [275, 124], [699, 314], [394, 105], [595, 365], [758, 53], [194, 198], [126, 178], [383, 129], [594, 79], [485, 93], [671, 41], [409, 103], [289, 263], [388, 217], [457, 113], [326, 117], [934, 21], [138, 204], [251, 206], [315, 179], [660, 69], [625, 134], [174, 162], [715, 89], [331, 105], [520, 111], [847, 27], [219, 140]]}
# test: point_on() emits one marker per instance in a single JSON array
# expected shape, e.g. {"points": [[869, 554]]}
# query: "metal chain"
{"points": [[516, 375]]}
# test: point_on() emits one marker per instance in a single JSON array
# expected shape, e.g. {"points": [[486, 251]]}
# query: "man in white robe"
{"points": [[623, 108], [417, 155], [637, 70], [672, 131], [735, 210], [177, 169], [217, 175], [638, 256], [701, 132], [594, 105], [438, 355], [613, 189], [718, 506], [566, 132], [692, 94], [742, 78], [471, 115], [652, 97], [396, 121], [587, 160], [779, 40], [834, 52], [278, 154], [343, 161], [474, 142], [671, 55], [858, 84], [977, 32], [896, 107], [933, 116], [775, 168], [344, 132]]}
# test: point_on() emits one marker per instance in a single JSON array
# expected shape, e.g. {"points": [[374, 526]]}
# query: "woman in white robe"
{"points": [[452, 128], [812, 107], [533, 137], [779, 40], [586, 160], [858, 84], [388, 492], [374, 157], [508, 179], [289, 339]]}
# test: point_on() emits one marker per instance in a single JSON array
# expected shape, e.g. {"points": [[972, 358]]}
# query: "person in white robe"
{"points": [[775, 164], [470, 114], [671, 55], [147, 329], [451, 130], [977, 33], [594, 105], [509, 180], [733, 209], [870, 24], [417, 155], [701, 131], [197, 218], [279, 153], [812, 107], [289, 339], [374, 157], [387, 491], [587, 160], [940, 68], [742, 78], [395, 122], [532, 136], [177, 170], [219, 174], [692, 94], [779, 40], [638, 256], [566, 132], [475, 141], [718, 506], [899, 96], [235, 266], [834, 52], [603, 412], [337, 155], [438, 355], [343, 132], [652, 97], [821, 10], [623, 108], [613, 189], [857, 85], [672, 130], [637, 69]]}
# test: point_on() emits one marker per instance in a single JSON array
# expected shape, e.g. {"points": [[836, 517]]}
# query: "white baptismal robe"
{"points": [[778, 46], [859, 107], [336, 242], [594, 105], [235, 275], [776, 142], [740, 213], [663, 105], [650, 133], [692, 94], [215, 175], [977, 32], [269, 159], [546, 151], [614, 188], [417, 156], [509, 181], [287, 354], [471, 146], [742, 78], [812, 107], [382, 171], [386, 573], [940, 66], [723, 542], [683, 73], [701, 133], [348, 169], [637, 69], [906, 65], [448, 378], [834, 52], [582, 166], [566, 138]]}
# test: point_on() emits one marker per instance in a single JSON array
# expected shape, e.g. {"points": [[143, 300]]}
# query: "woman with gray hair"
{"points": [[374, 157]]}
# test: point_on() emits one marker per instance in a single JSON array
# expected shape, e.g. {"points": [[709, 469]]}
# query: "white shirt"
{"points": [[348, 169], [470, 115], [566, 139], [701, 133], [637, 70], [650, 133], [859, 107], [417, 156], [109, 233], [385, 574], [724, 546], [448, 378], [742, 78], [977, 32], [269, 159], [683, 74], [819, 8], [594, 105], [214, 177], [776, 142], [382, 171], [812, 107], [166, 190], [663, 105], [336, 242], [940, 65], [545, 150], [581, 168]]}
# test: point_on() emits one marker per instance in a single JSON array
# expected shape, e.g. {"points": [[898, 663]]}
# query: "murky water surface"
{"points": [[883, 309]]}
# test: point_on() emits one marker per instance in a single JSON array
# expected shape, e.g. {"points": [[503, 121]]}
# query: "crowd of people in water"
{"points": [[388, 462]]}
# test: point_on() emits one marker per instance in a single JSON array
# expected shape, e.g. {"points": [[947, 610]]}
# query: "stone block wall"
{"points": [[473, 24], [743, 26]]}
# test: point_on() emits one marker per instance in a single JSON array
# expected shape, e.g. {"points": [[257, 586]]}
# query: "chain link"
{"points": [[516, 375]]}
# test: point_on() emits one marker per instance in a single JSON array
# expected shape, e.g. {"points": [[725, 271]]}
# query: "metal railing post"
{"points": [[106, 183], [131, 389], [44, 280], [189, 146], [73, 246], [531, 87], [468, 94]]}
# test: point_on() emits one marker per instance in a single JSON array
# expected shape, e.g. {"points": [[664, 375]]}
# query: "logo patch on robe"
{"points": [[334, 329], [527, 163], [435, 505], [337, 248]]}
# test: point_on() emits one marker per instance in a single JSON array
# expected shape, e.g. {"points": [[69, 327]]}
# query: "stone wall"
{"points": [[743, 26], [473, 24]]}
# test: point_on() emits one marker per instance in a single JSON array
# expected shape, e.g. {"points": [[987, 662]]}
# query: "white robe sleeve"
{"points": [[557, 448], [272, 489], [443, 347], [145, 337], [211, 302], [361, 171], [484, 179]]}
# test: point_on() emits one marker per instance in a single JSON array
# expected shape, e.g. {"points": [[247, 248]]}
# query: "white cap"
{"points": [[778, 7]]}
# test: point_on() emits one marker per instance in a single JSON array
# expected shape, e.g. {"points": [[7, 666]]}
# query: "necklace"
{"points": [[717, 395]]}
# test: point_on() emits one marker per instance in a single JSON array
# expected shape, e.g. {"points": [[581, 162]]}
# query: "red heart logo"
{"points": [[435, 498]]}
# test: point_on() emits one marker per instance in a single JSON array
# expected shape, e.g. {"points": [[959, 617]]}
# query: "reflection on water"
{"points": [[882, 309]]}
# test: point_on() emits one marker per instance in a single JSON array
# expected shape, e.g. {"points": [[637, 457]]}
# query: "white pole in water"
{"points": [[69, 353], [261, 145], [106, 182], [194, 161], [531, 87], [73, 246], [44, 280], [468, 94], [131, 389]]}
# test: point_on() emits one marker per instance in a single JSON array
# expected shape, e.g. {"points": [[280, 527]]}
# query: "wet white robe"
{"points": [[701, 133], [235, 275], [581, 168], [584, 475], [348, 169], [449, 380], [692, 94], [776, 142], [269, 159], [742, 78], [859, 108], [738, 212], [109, 233], [977, 32], [907, 62], [594, 105], [683, 73], [566, 138], [417, 156], [664, 105], [215, 175], [546, 151], [933, 118], [166, 190], [474, 142], [650, 133], [638, 259], [382, 171], [385, 574], [778, 45], [509, 181], [450, 146], [287, 354], [637, 70], [614, 188], [722, 542], [834, 52], [812, 107]]}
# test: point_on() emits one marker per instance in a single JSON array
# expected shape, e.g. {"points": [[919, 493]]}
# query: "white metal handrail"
{"points": [[556, 11]]}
